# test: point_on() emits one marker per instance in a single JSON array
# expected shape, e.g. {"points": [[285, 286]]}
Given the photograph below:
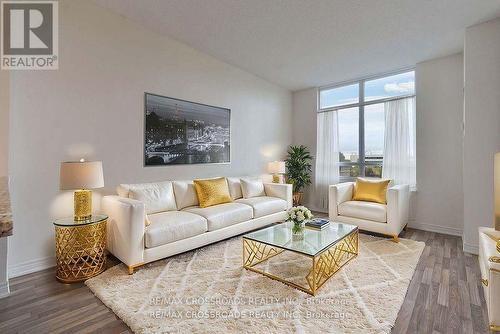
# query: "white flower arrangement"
{"points": [[299, 215]]}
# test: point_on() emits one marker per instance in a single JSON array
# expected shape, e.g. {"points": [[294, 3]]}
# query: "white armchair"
{"points": [[388, 219]]}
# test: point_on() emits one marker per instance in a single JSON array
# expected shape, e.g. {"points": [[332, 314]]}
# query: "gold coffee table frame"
{"points": [[323, 265], [80, 248]]}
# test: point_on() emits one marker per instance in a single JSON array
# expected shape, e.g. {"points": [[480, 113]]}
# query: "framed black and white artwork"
{"points": [[180, 132]]}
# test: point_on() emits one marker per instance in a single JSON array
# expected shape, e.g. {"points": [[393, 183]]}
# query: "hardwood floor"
{"points": [[445, 293], [444, 296]]}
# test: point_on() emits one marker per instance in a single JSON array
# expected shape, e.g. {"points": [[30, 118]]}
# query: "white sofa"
{"points": [[388, 219], [177, 223]]}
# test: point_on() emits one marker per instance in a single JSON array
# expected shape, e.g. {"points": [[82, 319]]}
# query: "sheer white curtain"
{"points": [[327, 155], [399, 142]]}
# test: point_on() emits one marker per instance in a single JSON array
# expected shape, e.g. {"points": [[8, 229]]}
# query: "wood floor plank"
{"points": [[472, 280], [444, 296], [419, 310], [427, 276], [440, 318], [443, 292]]}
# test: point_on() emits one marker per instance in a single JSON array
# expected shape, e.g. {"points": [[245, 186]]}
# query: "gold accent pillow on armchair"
{"points": [[212, 191], [371, 190]]}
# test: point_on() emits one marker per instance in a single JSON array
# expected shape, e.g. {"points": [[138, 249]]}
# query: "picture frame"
{"points": [[180, 132]]}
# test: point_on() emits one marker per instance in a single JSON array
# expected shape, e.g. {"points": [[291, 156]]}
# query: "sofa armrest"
{"points": [[398, 203], [280, 190], [125, 228], [337, 194], [490, 232]]}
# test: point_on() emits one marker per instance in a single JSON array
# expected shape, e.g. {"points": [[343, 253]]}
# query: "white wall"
{"points": [[4, 154], [4, 122], [304, 131], [92, 107], [439, 199], [482, 126]]}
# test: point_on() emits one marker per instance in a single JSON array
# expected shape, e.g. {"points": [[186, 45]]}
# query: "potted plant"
{"points": [[298, 165]]}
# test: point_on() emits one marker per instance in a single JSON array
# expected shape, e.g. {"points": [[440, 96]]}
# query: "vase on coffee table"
{"points": [[298, 231], [298, 215]]}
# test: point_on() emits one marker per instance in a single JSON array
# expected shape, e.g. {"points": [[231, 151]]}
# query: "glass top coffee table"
{"points": [[324, 251]]}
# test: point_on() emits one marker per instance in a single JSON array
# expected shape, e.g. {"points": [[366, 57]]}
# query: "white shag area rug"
{"points": [[208, 291]]}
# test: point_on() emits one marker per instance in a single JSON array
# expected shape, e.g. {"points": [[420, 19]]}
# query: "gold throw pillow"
{"points": [[212, 191], [371, 190]]}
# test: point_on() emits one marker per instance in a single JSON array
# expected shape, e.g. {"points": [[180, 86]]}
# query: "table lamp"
{"points": [[277, 168], [81, 176]]}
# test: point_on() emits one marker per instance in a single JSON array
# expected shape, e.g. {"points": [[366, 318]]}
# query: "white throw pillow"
{"points": [[123, 190], [185, 194], [157, 197], [252, 188], [234, 187]]}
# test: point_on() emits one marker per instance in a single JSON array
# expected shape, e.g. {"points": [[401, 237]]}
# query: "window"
{"points": [[361, 120], [393, 86], [348, 120], [340, 96], [374, 139]]}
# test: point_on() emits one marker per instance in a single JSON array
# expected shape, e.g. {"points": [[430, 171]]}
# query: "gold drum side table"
{"points": [[80, 248]]}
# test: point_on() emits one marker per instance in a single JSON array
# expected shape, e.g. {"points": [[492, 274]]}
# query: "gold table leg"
{"points": [[324, 265], [327, 263], [255, 252]]}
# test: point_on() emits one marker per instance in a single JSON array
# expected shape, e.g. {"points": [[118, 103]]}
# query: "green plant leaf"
{"points": [[299, 167]]}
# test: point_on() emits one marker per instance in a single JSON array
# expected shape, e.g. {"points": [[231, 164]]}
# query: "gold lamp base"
{"points": [[83, 204], [276, 178]]}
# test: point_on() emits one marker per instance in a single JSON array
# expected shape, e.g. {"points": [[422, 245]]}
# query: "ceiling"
{"points": [[298, 44]]}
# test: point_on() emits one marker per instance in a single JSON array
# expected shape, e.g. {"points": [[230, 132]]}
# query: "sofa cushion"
{"points": [[364, 210], [234, 187], [185, 194], [157, 196], [252, 187], [223, 215], [264, 205], [167, 227]]}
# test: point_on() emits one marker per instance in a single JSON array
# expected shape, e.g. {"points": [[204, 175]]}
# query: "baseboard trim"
{"points": [[436, 228], [4, 289], [419, 226], [472, 249], [31, 266]]}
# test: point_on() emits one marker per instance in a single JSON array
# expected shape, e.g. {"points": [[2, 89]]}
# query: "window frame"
{"points": [[362, 163]]}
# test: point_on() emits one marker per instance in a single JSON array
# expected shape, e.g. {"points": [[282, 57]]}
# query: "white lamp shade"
{"points": [[81, 175], [276, 167]]}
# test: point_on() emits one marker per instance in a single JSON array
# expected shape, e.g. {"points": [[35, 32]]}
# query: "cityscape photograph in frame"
{"points": [[178, 132]]}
